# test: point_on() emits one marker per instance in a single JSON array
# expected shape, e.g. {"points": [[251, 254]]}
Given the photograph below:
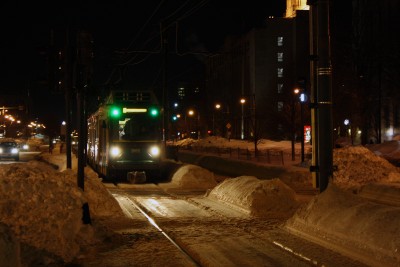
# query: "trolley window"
{"points": [[139, 127]]}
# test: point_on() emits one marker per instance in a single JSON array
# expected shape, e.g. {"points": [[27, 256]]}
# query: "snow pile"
{"points": [[358, 225], [390, 150], [192, 177], [217, 141], [185, 142], [358, 166], [258, 197], [43, 208]]}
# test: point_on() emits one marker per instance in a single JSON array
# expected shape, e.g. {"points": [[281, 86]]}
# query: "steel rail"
{"points": [[153, 223]]}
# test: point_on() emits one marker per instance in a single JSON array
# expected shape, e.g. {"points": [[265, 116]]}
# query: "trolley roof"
{"points": [[138, 97]]}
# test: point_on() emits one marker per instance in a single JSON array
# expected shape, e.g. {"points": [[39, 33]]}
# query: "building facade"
{"points": [[263, 67]]}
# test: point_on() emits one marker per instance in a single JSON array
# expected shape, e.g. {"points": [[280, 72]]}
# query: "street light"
{"points": [[217, 107], [303, 99], [242, 102], [191, 113], [295, 91]]}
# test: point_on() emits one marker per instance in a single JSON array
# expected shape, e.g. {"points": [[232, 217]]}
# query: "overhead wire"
{"points": [[136, 36], [146, 23], [166, 26]]}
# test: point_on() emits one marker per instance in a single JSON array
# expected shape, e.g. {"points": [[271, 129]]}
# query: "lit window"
{"points": [[280, 88], [279, 41], [181, 92], [280, 106], [279, 57], [280, 72]]}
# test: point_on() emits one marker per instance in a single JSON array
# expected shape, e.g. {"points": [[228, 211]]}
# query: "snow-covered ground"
{"points": [[41, 207]]}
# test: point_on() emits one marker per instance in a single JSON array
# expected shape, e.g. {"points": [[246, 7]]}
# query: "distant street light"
{"points": [[242, 102], [217, 107], [295, 91], [303, 99], [191, 113]]}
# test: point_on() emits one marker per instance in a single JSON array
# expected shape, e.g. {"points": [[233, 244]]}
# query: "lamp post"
{"points": [[296, 91], [217, 107], [303, 99], [191, 113], [242, 102]]}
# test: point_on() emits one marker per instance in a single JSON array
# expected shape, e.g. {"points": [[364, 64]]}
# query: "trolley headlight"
{"points": [[154, 151], [115, 151]]}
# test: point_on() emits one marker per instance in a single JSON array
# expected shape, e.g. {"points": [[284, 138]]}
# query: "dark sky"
{"points": [[116, 27]]}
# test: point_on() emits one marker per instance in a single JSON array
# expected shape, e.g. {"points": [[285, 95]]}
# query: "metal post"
{"points": [[302, 130], [293, 130], [324, 97], [313, 93], [242, 101], [242, 124], [69, 61]]}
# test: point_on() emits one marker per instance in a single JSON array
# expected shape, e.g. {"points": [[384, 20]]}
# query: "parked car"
{"points": [[9, 150]]}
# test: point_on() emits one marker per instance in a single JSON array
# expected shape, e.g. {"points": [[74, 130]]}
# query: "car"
{"points": [[9, 150]]}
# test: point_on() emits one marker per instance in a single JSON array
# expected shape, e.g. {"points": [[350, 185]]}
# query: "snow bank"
{"points": [[258, 197], [360, 227], [192, 177], [358, 166], [101, 202], [43, 208]]}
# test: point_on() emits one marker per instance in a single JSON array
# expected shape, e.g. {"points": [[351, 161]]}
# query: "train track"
{"points": [[130, 206], [216, 238]]}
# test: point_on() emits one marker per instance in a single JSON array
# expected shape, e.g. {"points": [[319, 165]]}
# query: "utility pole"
{"points": [[69, 62], [164, 89], [83, 59], [313, 94], [323, 96]]}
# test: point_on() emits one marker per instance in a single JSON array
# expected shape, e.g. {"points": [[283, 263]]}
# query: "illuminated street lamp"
{"points": [[192, 113], [296, 92], [217, 107], [242, 102], [303, 99]]}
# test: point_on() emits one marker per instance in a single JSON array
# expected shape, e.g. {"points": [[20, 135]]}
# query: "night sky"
{"points": [[117, 27]]}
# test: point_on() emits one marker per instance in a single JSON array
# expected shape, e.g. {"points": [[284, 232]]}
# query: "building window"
{"points": [[279, 41], [280, 106], [181, 92], [279, 57], [280, 72], [280, 88]]}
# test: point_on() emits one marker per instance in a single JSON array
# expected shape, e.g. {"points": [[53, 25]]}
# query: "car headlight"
{"points": [[14, 151], [1, 151], [25, 147], [154, 151], [115, 151]]}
